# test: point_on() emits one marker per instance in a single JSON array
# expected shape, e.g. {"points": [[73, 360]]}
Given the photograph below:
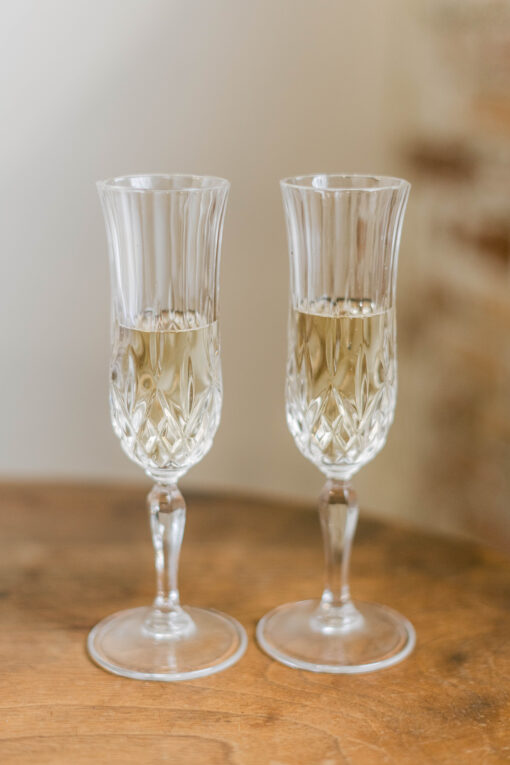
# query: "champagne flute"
{"points": [[344, 235], [164, 236]]}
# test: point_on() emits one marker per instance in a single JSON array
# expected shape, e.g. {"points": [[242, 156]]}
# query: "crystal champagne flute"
{"points": [[344, 235], [164, 236]]}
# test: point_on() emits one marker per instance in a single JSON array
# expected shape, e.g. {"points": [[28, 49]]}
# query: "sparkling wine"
{"points": [[341, 382], [166, 391]]}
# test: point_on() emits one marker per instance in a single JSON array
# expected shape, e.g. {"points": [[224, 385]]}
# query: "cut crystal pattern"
{"points": [[341, 385], [165, 395]]}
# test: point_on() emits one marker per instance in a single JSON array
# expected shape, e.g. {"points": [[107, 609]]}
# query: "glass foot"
{"points": [[372, 637], [123, 644]]}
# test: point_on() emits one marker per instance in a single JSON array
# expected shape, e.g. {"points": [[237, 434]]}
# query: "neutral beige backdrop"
{"points": [[252, 91]]}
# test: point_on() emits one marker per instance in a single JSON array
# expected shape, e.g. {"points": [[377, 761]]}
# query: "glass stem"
{"points": [[338, 512], [167, 512]]}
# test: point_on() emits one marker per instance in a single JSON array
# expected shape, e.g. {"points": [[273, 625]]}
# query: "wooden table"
{"points": [[73, 554]]}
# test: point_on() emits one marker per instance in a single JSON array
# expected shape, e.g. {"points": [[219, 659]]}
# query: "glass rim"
{"points": [[320, 182], [121, 183]]}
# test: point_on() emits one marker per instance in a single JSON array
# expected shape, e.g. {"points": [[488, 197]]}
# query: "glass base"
{"points": [[123, 644], [372, 637]]}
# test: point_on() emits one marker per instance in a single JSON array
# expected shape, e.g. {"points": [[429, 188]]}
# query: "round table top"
{"points": [[72, 554]]}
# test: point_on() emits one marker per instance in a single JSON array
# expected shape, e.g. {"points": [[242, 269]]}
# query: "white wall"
{"points": [[252, 91]]}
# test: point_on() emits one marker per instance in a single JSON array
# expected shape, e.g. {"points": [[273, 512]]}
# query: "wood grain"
{"points": [[73, 554]]}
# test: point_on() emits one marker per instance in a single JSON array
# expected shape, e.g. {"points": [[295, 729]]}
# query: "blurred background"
{"points": [[255, 91]]}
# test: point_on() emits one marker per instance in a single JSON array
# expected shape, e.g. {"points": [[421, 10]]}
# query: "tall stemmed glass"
{"points": [[164, 236], [344, 235]]}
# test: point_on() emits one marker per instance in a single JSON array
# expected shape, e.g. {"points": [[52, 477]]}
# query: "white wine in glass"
{"points": [[341, 382], [344, 235], [165, 390], [164, 236]]}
